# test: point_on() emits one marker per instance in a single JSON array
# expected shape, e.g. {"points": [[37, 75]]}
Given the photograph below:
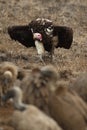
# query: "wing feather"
{"points": [[22, 34], [65, 36]]}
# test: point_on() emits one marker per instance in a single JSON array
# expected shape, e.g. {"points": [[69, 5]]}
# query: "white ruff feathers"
{"points": [[39, 47]]}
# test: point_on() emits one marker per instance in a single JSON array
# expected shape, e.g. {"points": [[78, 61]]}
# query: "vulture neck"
{"points": [[19, 105], [39, 47], [17, 100], [16, 94]]}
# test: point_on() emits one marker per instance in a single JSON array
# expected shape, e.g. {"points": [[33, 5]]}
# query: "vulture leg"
{"points": [[42, 60], [51, 53]]}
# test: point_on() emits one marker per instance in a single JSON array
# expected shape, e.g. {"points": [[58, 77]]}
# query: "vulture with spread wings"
{"points": [[42, 34]]}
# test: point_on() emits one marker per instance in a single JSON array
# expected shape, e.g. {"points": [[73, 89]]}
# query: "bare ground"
{"points": [[63, 12]]}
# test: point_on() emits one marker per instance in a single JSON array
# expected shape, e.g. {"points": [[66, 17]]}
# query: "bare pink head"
{"points": [[37, 36]]}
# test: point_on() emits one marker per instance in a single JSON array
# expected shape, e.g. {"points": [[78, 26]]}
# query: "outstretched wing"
{"points": [[22, 34], [65, 36]]}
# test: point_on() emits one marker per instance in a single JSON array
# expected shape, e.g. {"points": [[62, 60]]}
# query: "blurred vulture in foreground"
{"points": [[68, 109], [36, 87], [80, 86], [52, 36], [28, 117]]}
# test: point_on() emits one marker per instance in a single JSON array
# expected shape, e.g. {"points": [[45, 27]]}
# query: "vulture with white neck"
{"points": [[52, 36]]}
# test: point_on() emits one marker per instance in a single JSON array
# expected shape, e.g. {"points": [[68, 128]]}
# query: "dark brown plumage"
{"points": [[24, 34], [80, 86], [68, 109]]}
